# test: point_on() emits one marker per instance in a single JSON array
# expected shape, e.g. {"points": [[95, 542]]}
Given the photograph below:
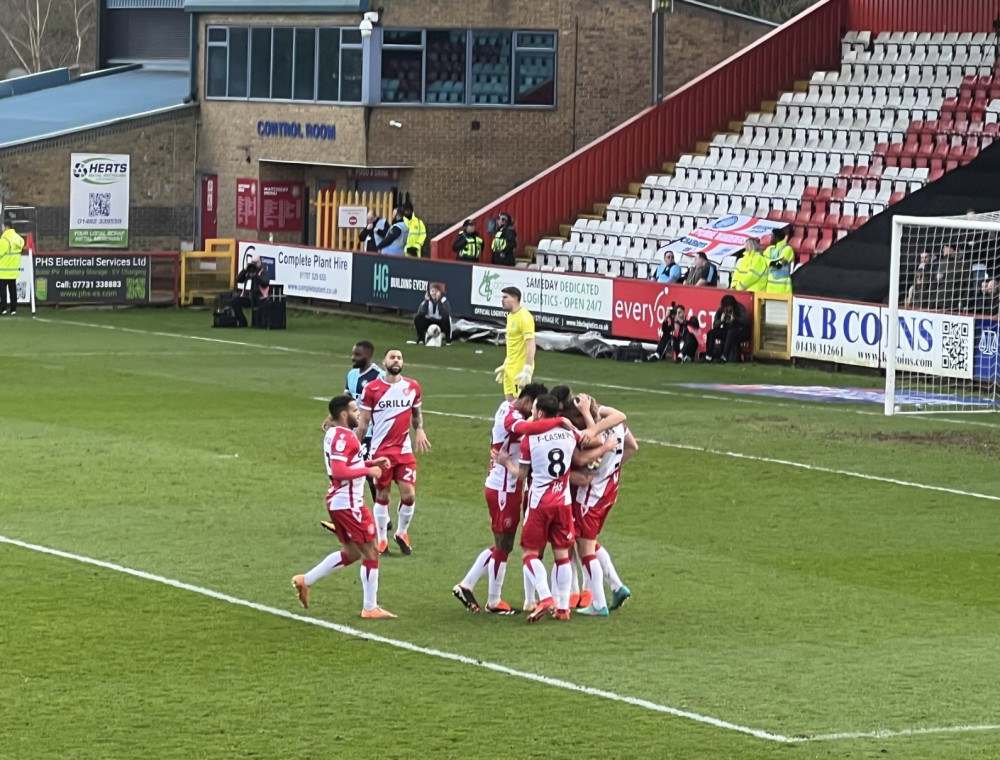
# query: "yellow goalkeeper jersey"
{"points": [[520, 327]]}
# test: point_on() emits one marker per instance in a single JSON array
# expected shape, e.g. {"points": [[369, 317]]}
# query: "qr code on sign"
{"points": [[100, 204], [956, 338]]}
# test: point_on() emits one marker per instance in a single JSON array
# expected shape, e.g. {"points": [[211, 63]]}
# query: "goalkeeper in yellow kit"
{"points": [[517, 369]]}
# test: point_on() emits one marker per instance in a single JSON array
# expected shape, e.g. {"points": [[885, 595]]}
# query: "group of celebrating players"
{"points": [[560, 454]]}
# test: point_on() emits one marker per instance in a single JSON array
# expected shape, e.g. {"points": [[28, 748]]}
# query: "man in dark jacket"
{"points": [[730, 329], [435, 310], [374, 232], [254, 285], [505, 242]]}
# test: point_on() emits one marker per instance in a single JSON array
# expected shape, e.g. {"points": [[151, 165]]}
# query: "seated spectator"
{"points": [[668, 271], [677, 339], [435, 310], [987, 300], [703, 273], [921, 293], [953, 279], [730, 329], [255, 284], [468, 244]]}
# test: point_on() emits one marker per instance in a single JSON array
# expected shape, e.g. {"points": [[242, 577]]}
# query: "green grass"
{"points": [[783, 599]]}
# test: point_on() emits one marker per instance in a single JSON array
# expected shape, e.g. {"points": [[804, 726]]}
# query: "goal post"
{"points": [[941, 325]]}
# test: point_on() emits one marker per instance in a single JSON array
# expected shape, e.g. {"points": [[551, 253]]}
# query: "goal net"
{"points": [[941, 330]]}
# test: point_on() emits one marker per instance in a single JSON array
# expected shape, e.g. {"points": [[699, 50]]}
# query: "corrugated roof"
{"points": [[91, 101]]}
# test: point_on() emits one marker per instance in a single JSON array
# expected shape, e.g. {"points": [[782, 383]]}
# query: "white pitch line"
{"points": [[889, 734], [772, 460], [416, 648], [733, 399]]}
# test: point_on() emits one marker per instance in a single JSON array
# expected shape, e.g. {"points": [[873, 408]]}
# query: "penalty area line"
{"points": [[407, 646]]}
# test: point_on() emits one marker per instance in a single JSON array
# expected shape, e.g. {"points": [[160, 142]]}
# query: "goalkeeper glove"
{"points": [[524, 376], [499, 372]]}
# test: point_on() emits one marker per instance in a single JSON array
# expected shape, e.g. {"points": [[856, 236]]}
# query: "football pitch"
{"points": [[808, 580]]}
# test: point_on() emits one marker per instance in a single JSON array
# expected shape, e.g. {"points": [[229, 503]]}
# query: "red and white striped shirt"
{"points": [[391, 406], [551, 458], [341, 445]]}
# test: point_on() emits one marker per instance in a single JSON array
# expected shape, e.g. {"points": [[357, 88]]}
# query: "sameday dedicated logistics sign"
{"points": [[856, 333], [304, 272], [555, 300]]}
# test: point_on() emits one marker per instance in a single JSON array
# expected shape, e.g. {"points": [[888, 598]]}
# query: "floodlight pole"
{"points": [[659, 8]]}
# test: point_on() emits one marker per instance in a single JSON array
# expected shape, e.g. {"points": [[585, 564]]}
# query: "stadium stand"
{"points": [[903, 109]]}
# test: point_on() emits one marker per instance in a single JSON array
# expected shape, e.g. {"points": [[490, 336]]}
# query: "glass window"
{"points": [[402, 66], [239, 42], [444, 80], [281, 64], [534, 69], [305, 64], [216, 34], [260, 62], [215, 65], [351, 66], [328, 65], [491, 66]]}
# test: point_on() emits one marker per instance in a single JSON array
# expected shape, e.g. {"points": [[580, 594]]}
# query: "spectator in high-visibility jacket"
{"points": [[751, 269], [779, 261], [11, 245], [418, 232]]}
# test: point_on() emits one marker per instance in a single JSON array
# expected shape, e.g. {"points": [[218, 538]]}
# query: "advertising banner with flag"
{"points": [[720, 238]]}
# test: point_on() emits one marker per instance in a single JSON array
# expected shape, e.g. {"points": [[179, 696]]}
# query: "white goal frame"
{"points": [[892, 398]]}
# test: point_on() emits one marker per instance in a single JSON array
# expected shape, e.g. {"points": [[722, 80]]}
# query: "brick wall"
{"points": [[697, 38], [162, 183]]}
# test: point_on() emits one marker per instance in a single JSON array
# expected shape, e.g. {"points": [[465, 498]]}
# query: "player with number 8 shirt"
{"points": [[549, 457]]}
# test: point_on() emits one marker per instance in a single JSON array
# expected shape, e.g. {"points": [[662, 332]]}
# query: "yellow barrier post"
{"points": [[205, 274], [772, 322]]}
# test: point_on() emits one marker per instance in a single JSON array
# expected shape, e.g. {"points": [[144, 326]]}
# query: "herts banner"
{"points": [[640, 307], [98, 200], [555, 300], [722, 237], [304, 272], [856, 333]]}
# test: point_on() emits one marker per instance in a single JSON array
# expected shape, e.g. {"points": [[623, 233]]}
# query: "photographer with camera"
{"points": [[730, 329], [677, 338], [255, 284]]}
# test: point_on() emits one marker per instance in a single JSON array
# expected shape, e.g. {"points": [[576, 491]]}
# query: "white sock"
{"points": [[529, 589], [369, 582], [534, 572], [330, 563], [478, 569], [381, 515], [594, 578], [574, 576], [498, 571], [563, 572], [404, 517], [610, 574]]}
